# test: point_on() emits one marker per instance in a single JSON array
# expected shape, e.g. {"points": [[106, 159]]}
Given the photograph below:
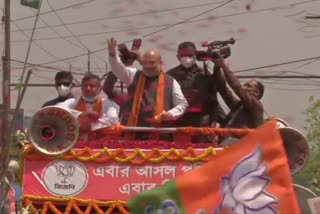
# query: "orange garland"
{"points": [[72, 204], [137, 157]]}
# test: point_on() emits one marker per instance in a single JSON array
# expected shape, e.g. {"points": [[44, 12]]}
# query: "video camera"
{"points": [[127, 57], [215, 49]]}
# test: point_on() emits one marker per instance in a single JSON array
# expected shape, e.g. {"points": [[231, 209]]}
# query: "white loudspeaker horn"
{"points": [[303, 194], [54, 130], [281, 123], [297, 148]]}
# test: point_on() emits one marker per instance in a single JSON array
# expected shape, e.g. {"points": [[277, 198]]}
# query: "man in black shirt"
{"points": [[63, 83], [199, 89]]}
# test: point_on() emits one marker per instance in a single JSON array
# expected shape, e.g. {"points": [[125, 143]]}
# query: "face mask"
{"points": [[63, 91], [90, 99], [187, 62]]}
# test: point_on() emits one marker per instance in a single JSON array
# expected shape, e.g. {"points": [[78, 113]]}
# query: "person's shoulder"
{"points": [[173, 70], [51, 102], [108, 101]]}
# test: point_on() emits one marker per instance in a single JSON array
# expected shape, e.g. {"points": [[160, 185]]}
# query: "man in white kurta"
{"points": [[97, 110]]}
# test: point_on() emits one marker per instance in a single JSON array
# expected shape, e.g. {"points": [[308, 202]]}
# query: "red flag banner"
{"points": [[251, 176]]}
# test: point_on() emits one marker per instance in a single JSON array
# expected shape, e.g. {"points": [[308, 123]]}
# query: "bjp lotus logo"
{"points": [[244, 190], [65, 178], [65, 171]]}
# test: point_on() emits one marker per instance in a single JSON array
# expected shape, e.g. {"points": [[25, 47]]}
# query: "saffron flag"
{"points": [[31, 3], [251, 176]]}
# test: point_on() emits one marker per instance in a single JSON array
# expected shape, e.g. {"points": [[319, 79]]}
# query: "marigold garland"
{"points": [[137, 157], [72, 204]]}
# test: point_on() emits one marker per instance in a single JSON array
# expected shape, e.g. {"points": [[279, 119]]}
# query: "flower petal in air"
{"points": [[246, 165], [248, 188], [261, 201]]}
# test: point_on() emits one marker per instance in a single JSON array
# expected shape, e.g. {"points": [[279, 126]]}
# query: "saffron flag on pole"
{"points": [[31, 3], [251, 176]]}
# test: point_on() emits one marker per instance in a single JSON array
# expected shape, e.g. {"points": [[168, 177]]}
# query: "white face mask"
{"points": [[63, 91], [90, 99], [187, 61]]}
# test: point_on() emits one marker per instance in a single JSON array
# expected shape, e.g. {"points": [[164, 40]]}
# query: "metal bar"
{"points": [[240, 77], [150, 129], [279, 76], [36, 85]]}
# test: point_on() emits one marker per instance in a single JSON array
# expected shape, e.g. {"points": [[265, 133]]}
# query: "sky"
{"points": [[266, 33]]}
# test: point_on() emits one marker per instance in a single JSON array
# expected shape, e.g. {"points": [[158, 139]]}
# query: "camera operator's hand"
{"points": [[112, 46], [219, 62]]}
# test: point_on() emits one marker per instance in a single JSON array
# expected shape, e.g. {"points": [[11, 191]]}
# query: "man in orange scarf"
{"points": [[97, 110], [154, 98]]}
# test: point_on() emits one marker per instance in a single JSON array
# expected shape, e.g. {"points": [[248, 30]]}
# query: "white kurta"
{"points": [[109, 115]]}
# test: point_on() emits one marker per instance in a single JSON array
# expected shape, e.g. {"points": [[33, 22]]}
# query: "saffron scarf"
{"points": [[137, 101], [81, 106]]}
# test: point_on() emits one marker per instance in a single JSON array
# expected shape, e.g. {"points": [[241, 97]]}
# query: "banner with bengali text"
{"points": [[99, 181]]}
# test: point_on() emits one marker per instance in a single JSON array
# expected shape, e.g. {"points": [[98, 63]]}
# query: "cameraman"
{"points": [[199, 89], [246, 112]]}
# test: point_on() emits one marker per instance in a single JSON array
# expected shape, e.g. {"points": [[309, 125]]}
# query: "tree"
{"points": [[310, 176]]}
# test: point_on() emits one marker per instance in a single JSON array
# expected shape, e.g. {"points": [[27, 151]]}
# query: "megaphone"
{"points": [[54, 130], [281, 123], [303, 194], [296, 146]]}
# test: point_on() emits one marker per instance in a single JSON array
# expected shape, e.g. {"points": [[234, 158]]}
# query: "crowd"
{"points": [[183, 96]]}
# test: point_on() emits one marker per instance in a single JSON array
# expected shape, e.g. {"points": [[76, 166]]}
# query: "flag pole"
{"points": [[6, 99]]}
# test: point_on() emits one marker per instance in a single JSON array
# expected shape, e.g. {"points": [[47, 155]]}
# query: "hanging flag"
{"points": [[249, 177], [31, 3]]}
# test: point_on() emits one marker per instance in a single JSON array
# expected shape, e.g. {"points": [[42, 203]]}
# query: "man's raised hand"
{"points": [[112, 45]]}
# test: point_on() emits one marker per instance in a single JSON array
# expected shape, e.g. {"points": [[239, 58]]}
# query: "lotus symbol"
{"points": [[65, 171], [244, 190]]}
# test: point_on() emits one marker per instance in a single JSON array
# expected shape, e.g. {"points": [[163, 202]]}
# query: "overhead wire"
{"points": [[133, 14], [186, 7], [38, 45], [62, 8], [265, 9], [277, 64], [162, 25], [69, 30], [293, 89], [151, 33]]}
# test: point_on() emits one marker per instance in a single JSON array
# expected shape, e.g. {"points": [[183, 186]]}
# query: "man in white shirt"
{"points": [[98, 111], [154, 98]]}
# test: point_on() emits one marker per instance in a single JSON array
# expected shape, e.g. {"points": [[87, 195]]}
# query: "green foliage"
{"points": [[310, 176]]}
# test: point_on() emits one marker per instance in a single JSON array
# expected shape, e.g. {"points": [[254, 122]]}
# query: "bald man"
{"points": [[154, 98]]}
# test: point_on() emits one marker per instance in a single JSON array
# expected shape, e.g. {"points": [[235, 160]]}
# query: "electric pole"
{"points": [[6, 134]]}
